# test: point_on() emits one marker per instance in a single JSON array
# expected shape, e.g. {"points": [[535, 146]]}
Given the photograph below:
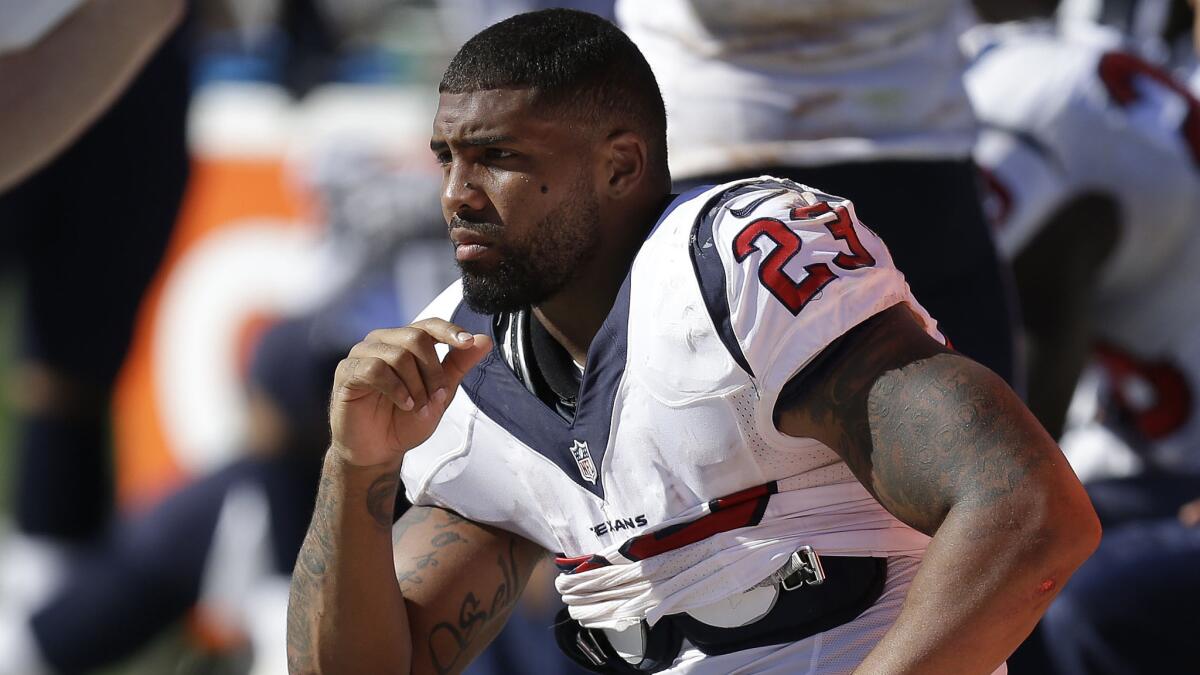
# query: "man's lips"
{"points": [[470, 245]]}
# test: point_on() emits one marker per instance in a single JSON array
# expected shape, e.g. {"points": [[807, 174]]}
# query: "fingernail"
{"points": [[464, 336], [424, 413], [407, 405], [440, 396]]}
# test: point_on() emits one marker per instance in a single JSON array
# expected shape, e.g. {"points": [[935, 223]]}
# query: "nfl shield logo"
{"points": [[579, 450]]}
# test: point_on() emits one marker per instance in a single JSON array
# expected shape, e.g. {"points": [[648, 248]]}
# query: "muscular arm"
{"points": [[457, 582], [55, 88], [947, 447], [460, 581]]}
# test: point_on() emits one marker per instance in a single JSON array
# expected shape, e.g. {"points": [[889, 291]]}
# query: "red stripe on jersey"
{"points": [[580, 563], [740, 509], [756, 492]]}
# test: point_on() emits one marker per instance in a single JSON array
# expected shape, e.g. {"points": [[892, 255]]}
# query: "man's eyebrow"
{"points": [[438, 145]]}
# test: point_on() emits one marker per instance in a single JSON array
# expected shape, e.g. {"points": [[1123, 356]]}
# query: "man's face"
{"points": [[518, 195]]}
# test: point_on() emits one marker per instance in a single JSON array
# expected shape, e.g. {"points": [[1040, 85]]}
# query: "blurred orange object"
{"points": [[222, 192]]}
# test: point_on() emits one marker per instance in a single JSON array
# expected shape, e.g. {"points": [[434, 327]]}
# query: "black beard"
{"points": [[532, 271], [507, 288]]}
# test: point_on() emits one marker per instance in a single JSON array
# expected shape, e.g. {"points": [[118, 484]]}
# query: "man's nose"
{"points": [[460, 193]]}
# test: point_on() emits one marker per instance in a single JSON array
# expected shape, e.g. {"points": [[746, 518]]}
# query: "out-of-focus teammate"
{"points": [[62, 63], [1093, 156], [85, 234]]}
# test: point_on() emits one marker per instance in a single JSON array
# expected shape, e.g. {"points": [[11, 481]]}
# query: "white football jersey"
{"points": [[757, 83], [1063, 117], [673, 488]]}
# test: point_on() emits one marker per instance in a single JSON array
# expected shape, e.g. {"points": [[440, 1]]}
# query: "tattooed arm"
{"points": [[460, 581], [948, 448], [346, 612]]}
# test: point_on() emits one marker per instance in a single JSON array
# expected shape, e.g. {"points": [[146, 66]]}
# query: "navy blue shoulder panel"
{"points": [[496, 391], [706, 259]]}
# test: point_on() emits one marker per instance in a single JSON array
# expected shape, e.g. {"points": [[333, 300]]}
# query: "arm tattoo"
{"points": [[381, 498], [410, 575], [312, 564], [490, 592], [946, 436], [922, 428], [450, 640]]}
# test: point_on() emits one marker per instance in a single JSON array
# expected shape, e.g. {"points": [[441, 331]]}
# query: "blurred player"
{"points": [[62, 63], [704, 404], [861, 97], [1093, 156], [84, 234]]}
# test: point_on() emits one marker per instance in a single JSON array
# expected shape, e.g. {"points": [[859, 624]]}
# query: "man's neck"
{"points": [[573, 319], [574, 315]]}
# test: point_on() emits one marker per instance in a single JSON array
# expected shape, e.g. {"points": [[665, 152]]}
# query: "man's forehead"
{"points": [[486, 111]]}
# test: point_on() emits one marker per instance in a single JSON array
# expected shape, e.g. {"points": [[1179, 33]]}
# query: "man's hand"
{"points": [[391, 391]]}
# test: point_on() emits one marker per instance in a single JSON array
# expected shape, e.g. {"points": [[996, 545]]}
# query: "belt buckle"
{"points": [[806, 569]]}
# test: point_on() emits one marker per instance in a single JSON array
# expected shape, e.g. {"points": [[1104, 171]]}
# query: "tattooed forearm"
{"points": [[343, 573], [307, 578], [381, 498]]}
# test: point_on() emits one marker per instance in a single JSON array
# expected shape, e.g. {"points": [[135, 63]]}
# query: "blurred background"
{"points": [[177, 283]]}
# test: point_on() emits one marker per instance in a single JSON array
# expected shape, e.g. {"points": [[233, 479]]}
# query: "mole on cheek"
{"points": [[545, 189]]}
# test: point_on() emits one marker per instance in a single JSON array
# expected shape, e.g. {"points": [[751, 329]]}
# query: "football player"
{"points": [[723, 412]]}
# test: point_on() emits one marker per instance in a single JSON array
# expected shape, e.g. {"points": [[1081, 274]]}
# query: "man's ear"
{"points": [[624, 163]]}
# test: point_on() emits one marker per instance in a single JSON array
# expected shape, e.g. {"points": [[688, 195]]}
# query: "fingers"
{"points": [[385, 367], [460, 361], [403, 363], [446, 333]]}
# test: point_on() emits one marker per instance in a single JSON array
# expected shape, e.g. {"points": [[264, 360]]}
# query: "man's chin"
{"points": [[487, 295]]}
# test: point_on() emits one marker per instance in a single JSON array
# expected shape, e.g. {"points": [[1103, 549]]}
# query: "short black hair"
{"points": [[575, 61]]}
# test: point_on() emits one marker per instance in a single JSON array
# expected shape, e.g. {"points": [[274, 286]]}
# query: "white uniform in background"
{"points": [[757, 83], [737, 288], [1063, 116]]}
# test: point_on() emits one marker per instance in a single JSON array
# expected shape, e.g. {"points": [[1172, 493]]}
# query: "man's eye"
{"points": [[497, 153], [443, 158]]}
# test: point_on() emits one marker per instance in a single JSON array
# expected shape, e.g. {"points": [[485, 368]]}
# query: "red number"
{"points": [[1119, 71], [1171, 403], [795, 295], [843, 230]]}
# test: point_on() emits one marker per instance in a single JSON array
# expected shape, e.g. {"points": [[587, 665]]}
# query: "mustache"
{"points": [[481, 227]]}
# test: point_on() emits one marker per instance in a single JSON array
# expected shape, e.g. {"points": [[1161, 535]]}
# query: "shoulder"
{"points": [[772, 269]]}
